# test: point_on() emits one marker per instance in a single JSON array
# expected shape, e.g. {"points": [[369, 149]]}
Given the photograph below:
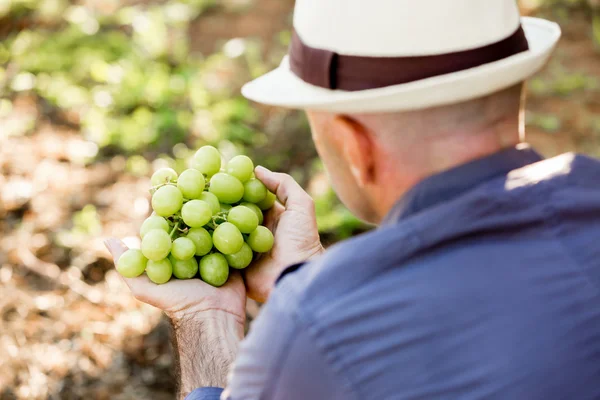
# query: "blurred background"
{"points": [[96, 94]]}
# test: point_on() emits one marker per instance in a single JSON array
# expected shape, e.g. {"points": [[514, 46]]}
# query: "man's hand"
{"points": [[294, 225], [186, 299], [208, 322]]}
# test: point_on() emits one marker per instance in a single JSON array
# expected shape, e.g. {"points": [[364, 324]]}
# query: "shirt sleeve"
{"points": [[279, 360]]}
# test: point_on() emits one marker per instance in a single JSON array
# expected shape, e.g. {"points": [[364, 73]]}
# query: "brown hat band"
{"points": [[330, 70]]}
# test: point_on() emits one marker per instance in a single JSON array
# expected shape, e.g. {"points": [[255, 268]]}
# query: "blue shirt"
{"points": [[482, 283]]}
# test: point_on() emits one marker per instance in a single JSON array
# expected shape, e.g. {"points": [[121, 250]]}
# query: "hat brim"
{"points": [[281, 87]]}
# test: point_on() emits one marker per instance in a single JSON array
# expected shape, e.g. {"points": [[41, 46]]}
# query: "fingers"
{"points": [[287, 190], [116, 248], [139, 285], [145, 290]]}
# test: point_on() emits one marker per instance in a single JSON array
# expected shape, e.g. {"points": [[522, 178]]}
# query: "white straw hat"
{"points": [[392, 55]]}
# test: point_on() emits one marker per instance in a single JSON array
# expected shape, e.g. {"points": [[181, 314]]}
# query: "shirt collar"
{"points": [[451, 183]]}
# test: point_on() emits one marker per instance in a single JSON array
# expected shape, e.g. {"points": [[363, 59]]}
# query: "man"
{"points": [[483, 279]]}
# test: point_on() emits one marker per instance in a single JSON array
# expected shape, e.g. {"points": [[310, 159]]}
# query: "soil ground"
{"points": [[68, 327]]}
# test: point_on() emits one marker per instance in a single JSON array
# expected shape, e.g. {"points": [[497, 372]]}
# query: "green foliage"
{"points": [[334, 218], [87, 221], [596, 26], [127, 74], [547, 122], [126, 78]]}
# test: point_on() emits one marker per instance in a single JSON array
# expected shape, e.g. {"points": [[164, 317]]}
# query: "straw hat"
{"points": [[392, 55]]}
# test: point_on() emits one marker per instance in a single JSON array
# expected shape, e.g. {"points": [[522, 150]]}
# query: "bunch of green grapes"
{"points": [[205, 221]]}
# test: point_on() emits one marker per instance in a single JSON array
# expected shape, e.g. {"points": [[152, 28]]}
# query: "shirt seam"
{"points": [[414, 241], [281, 360], [309, 329], [557, 228], [299, 325]]}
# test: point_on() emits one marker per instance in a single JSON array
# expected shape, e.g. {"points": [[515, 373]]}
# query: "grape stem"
{"points": [[219, 219], [174, 229], [155, 188], [212, 224]]}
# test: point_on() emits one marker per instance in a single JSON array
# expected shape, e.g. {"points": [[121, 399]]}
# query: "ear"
{"points": [[357, 144]]}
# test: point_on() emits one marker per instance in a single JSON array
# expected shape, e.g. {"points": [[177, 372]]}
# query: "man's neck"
{"points": [[436, 156]]}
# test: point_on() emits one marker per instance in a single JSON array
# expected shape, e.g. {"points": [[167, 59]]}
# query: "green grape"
{"points": [[183, 248], [227, 188], [241, 167], [207, 160], [163, 176], [243, 218], [212, 200], [156, 245], [132, 263], [201, 239], [184, 269], [191, 183], [159, 271], [196, 213], [254, 191], [214, 269], [227, 238], [225, 208], [256, 210], [154, 222], [241, 259], [261, 240], [167, 200], [268, 202]]}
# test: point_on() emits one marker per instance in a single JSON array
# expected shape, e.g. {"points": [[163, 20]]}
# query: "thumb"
{"points": [[288, 191], [116, 248]]}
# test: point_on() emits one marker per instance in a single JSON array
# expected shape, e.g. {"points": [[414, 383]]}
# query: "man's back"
{"points": [[481, 284]]}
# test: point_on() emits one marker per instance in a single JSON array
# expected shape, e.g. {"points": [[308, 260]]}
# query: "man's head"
{"points": [[365, 67], [373, 159]]}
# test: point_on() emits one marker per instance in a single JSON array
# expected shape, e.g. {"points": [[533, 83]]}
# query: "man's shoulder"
{"points": [[562, 170], [498, 207], [459, 271], [346, 266]]}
